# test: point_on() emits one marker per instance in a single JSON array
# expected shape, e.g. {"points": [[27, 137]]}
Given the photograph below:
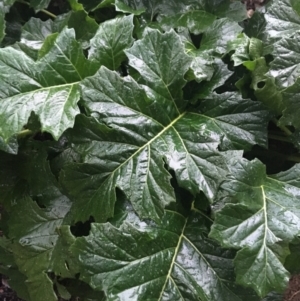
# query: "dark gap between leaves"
{"points": [[82, 228]]}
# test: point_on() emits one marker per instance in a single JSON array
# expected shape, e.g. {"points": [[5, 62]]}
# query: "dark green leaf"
{"points": [[49, 87], [286, 66], [265, 88], [264, 217], [39, 4], [171, 261], [281, 21], [110, 41], [291, 101], [190, 20], [217, 36]]}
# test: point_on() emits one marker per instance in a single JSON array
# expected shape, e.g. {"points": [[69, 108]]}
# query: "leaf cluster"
{"points": [[149, 149]]}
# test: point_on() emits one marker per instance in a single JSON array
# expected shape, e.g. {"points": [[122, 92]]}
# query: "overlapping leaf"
{"points": [[262, 217], [171, 261], [281, 21], [291, 101], [37, 247], [48, 87], [286, 67], [36, 31], [150, 124], [110, 41]]}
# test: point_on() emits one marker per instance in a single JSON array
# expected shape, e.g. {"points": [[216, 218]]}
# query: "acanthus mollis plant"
{"points": [[149, 149]]}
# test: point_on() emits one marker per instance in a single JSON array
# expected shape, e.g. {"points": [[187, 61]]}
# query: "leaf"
{"points": [[240, 46], [264, 218], [238, 122], [221, 73], [171, 261], [132, 152], [11, 147], [39, 4], [38, 247], [265, 88], [156, 7], [217, 36], [110, 41], [234, 10], [291, 101], [4, 8], [281, 21], [49, 87], [36, 31], [16, 280], [190, 20], [286, 68], [89, 5], [163, 68]]}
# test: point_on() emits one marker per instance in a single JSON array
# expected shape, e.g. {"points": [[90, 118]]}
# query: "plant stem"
{"points": [[24, 133], [282, 127], [293, 158], [279, 138], [42, 10]]}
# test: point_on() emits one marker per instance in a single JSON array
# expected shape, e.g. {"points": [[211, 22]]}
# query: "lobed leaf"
{"points": [[171, 260], [264, 218], [48, 87], [110, 41]]}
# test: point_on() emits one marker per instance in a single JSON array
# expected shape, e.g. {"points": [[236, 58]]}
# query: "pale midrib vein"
{"points": [[266, 229], [68, 59], [173, 260], [149, 142], [41, 89]]}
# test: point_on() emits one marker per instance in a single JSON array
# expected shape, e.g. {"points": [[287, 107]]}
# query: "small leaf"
{"points": [[265, 88]]}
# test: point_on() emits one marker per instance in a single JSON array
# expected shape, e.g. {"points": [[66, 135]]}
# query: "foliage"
{"points": [[149, 149]]}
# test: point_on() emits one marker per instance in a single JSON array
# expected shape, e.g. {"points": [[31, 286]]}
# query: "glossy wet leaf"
{"points": [[281, 21], [158, 262], [49, 87], [219, 34], [190, 20], [39, 4], [264, 218], [110, 41], [291, 101], [286, 68]]}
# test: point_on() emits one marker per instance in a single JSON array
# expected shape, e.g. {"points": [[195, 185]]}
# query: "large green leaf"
{"points": [[39, 4], [281, 21], [48, 87], [291, 101], [37, 246], [36, 31], [190, 20], [173, 260], [217, 36], [286, 66], [110, 41], [261, 218], [153, 8], [148, 125]]}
